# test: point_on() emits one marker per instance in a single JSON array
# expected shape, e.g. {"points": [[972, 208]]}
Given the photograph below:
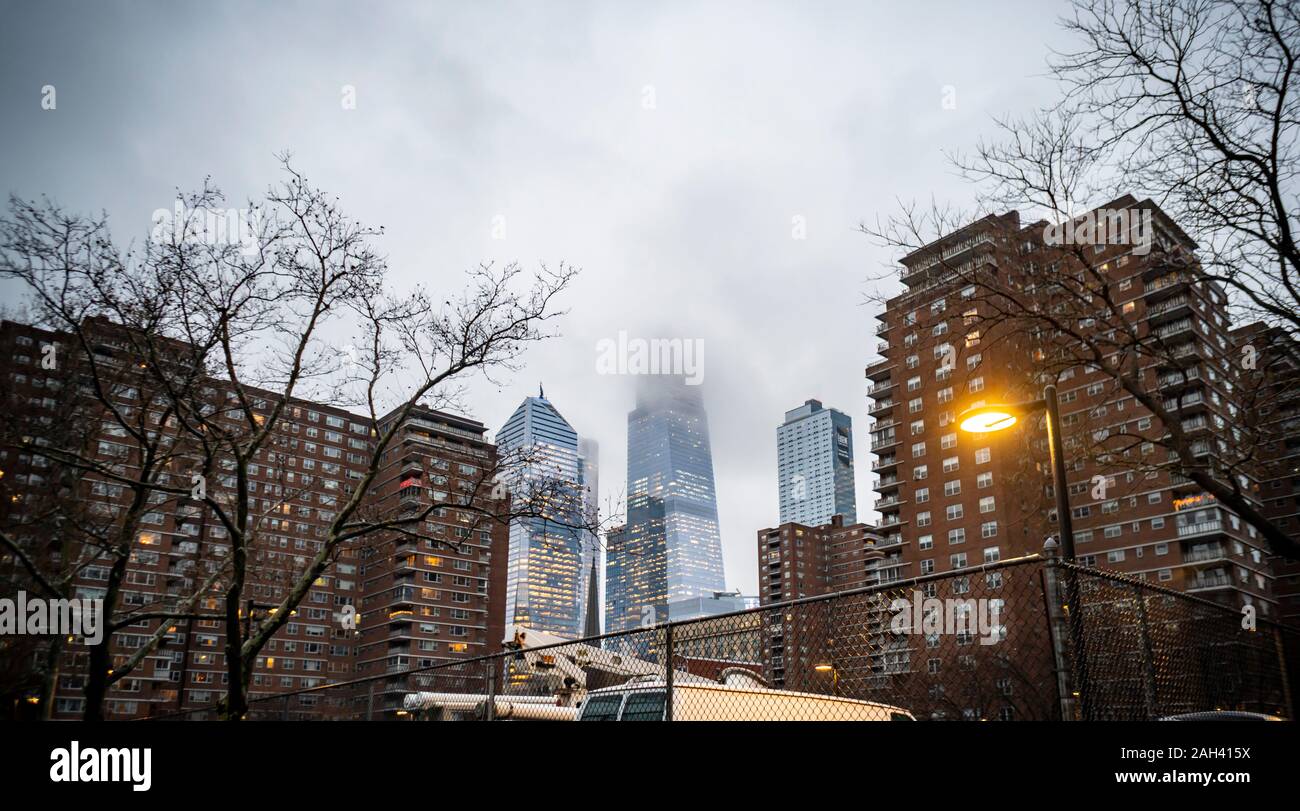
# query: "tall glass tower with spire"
{"points": [[545, 572], [670, 548]]}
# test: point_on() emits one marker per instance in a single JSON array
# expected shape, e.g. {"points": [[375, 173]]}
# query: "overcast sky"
{"points": [[665, 149]]}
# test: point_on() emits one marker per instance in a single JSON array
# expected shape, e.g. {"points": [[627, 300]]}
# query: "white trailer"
{"points": [[740, 697]]}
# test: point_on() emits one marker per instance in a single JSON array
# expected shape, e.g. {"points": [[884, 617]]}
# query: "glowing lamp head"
{"points": [[987, 420], [823, 667]]}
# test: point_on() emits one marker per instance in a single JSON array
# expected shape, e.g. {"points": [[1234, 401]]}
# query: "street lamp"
{"points": [[1000, 416], [829, 667]]}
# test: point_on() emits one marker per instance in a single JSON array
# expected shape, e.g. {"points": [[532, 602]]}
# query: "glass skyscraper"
{"points": [[670, 549], [545, 573], [815, 466]]}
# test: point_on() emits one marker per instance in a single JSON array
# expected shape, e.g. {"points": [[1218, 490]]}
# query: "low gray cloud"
{"points": [[665, 149]]}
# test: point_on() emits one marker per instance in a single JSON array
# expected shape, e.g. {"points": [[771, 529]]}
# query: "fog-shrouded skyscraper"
{"points": [[814, 453], [670, 548], [545, 572]]}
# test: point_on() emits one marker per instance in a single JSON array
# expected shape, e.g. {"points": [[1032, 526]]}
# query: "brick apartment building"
{"points": [[965, 498], [849, 646], [417, 604], [1278, 358], [424, 602], [796, 561]]}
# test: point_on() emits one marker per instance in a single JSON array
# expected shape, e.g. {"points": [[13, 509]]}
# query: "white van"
{"points": [[735, 700]]}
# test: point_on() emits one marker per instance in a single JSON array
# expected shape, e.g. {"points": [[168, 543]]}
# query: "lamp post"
{"points": [[829, 666], [1000, 416]]}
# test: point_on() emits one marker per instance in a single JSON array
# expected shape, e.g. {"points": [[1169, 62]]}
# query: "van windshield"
{"points": [[601, 708], [644, 707]]}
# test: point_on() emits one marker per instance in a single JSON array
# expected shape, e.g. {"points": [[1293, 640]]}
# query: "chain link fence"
{"points": [[1000, 641]]}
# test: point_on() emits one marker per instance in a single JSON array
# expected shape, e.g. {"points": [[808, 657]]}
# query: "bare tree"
{"points": [[103, 437], [1193, 102], [229, 334], [1049, 309], [1197, 102]]}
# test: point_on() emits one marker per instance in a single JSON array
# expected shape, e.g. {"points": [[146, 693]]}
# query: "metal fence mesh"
{"points": [[998, 642], [1148, 652]]}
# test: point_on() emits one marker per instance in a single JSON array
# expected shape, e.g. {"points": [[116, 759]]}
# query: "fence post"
{"points": [[1051, 596], [490, 667], [370, 701], [285, 713], [668, 672], [1282, 671], [1148, 655]]}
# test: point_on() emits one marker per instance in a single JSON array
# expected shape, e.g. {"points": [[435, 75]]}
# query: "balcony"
{"points": [[1192, 398], [883, 439], [1209, 581], [1205, 552], [1202, 528], [880, 388], [881, 407], [1164, 287], [880, 369], [884, 462], [1179, 305], [1184, 377], [1179, 327]]}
